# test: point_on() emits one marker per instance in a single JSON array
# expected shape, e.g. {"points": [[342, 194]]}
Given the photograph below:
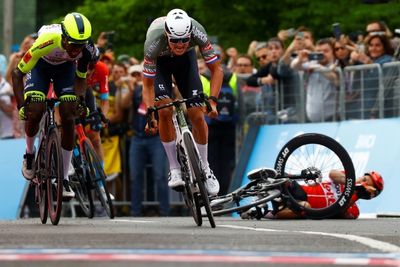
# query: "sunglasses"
{"points": [[261, 57], [177, 40]]}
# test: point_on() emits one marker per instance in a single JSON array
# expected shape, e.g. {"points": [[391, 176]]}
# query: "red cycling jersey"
{"points": [[323, 194], [98, 80]]}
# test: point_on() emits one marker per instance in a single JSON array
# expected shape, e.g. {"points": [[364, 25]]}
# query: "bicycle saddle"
{"points": [[261, 173]]}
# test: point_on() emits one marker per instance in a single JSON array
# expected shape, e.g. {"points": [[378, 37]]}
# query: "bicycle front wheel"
{"points": [[98, 178], [55, 175], [317, 154], [40, 184], [199, 174]]}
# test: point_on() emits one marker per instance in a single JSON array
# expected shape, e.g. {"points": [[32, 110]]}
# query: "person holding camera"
{"points": [[321, 79]]}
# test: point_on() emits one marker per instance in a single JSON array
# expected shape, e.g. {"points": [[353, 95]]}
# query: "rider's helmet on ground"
{"points": [[178, 24], [377, 180], [76, 28]]}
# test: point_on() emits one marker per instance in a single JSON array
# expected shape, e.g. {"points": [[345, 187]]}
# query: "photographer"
{"points": [[321, 79], [105, 42]]}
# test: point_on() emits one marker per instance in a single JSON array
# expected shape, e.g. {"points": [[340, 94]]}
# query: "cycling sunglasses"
{"points": [[177, 40]]}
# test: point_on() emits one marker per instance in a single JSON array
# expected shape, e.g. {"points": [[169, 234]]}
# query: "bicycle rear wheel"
{"points": [[200, 176], [318, 154], [98, 178], [80, 183], [254, 194], [55, 176]]}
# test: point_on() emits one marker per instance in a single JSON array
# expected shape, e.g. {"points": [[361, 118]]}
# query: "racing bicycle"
{"points": [[48, 179], [305, 159], [193, 174], [89, 174]]}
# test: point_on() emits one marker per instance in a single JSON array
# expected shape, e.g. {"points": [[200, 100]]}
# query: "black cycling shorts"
{"points": [[62, 75], [186, 73]]}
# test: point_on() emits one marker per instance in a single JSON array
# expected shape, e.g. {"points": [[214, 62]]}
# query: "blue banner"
{"points": [[12, 181]]}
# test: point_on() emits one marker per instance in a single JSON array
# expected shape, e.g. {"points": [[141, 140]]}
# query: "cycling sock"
{"points": [[170, 150], [30, 144], [203, 150], [66, 157]]}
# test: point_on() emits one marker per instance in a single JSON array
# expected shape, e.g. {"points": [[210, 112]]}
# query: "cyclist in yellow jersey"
{"points": [[59, 55]]}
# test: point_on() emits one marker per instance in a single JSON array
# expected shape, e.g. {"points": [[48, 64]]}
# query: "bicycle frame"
{"points": [[182, 128]]}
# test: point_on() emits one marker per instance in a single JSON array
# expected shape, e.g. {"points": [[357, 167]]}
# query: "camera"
{"points": [[315, 56], [291, 32], [110, 37], [336, 31]]}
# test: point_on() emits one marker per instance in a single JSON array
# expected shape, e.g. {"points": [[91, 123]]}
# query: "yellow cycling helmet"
{"points": [[76, 28]]}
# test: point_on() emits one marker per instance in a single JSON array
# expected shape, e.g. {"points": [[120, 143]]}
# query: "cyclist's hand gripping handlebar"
{"points": [[151, 126], [211, 106]]}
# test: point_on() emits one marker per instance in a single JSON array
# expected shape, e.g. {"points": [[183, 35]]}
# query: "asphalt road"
{"points": [[177, 241]]}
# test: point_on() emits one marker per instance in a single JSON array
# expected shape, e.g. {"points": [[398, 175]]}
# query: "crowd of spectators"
{"points": [[268, 78]]}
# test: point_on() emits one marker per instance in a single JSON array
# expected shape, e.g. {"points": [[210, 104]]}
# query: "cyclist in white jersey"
{"points": [[169, 52]]}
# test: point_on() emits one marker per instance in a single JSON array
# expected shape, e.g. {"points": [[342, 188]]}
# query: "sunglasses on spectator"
{"points": [[261, 57], [177, 40]]}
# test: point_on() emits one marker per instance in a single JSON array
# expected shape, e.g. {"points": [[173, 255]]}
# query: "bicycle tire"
{"points": [[199, 174], [298, 155], [81, 185], [191, 200], [40, 184], [55, 175], [97, 175]]}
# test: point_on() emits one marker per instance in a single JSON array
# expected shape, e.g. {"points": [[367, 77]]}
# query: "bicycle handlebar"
{"points": [[202, 97]]}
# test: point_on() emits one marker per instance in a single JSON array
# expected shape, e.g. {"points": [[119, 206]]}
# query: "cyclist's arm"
{"points": [[148, 91], [337, 176], [217, 77], [41, 47], [80, 86], [18, 86], [105, 106]]}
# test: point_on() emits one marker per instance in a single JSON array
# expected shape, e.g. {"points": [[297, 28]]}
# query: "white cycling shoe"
{"points": [[212, 184], [175, 178], [28, 166]]}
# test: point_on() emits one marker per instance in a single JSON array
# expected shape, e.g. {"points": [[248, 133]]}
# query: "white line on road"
{"points": [[372, 243], [133, 221]]}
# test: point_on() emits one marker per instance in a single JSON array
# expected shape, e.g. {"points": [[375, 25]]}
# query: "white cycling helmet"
{"points": [[178, 24]]}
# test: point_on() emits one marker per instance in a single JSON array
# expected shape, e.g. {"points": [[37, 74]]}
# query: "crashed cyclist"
{"points": [[319, 195], [169, 50], [57, 56]]}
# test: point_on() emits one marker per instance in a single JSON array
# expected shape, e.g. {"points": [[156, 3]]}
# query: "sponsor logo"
{"points": [[43, 45], [199, 34], [27, 57], [280, 160], [161, 86]]}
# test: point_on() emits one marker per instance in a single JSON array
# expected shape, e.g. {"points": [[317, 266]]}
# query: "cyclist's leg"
{"points": [[63, 83], [36, 86], [163, 89]]}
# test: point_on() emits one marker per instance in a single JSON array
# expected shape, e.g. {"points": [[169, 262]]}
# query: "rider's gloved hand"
{"points": [[83, 110], [22, 113]]}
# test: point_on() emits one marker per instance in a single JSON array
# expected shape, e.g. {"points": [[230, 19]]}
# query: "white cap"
{"points": [[135, 68]]}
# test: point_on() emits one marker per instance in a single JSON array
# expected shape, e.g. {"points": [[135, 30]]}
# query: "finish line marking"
{"points": [[369, 242], [198, 256]]}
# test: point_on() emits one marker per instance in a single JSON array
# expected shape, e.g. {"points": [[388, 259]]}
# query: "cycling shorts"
{"points": [[62, 76], [186, 73]]}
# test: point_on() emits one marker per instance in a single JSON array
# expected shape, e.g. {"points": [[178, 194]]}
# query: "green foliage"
{"points": [[235, 22]]}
